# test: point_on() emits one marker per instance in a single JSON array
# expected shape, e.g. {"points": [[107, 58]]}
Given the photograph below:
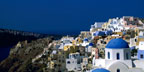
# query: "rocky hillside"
{"points": [[142, 19], [20, 58], [11, 37]]}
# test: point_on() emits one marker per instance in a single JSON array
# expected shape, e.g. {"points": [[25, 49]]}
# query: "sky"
{"points": [[63, 16]]}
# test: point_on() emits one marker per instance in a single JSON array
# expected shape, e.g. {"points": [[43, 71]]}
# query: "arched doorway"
{"points": [[118, 70]]}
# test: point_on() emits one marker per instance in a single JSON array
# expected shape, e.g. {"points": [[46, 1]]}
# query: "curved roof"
{"points": [[85, 39], [117, 44], [99, 33], [100, 70], [109, 32], [91, 44]]}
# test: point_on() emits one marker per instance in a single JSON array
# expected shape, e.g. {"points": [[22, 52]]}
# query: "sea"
{"points": [[4, 52]]}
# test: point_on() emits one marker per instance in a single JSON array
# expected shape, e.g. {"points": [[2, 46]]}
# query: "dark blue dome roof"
{"points": [[91, 44], [109, 32], [100, 70], [99, 33], [117, 44], [85, 39]]}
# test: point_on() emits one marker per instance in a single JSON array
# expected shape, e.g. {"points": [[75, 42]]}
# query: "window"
{"points": [[135, 40], [59, 60], [141, 56], [118, 70], [118, 56], [70, 56], [68, 62], [74, 56], [108, 55], [104, 43], [127, 56]]}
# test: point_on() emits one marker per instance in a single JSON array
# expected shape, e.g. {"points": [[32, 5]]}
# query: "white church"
{"points": [[118, 58]]}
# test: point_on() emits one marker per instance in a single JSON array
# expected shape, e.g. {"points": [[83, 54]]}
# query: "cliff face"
{"points": [[20, 58], [142, 19], [9, 38], [26, 46]]}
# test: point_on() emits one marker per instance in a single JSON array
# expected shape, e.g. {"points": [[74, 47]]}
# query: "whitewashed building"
{"points": [[116, 25], [66, 41], [96, 26], [73, 63], [118, 58]]}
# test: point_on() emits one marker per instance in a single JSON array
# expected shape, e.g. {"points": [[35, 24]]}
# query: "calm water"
{"points": [[4, 52]]}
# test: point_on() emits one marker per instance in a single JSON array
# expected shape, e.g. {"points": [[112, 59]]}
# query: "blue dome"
{"points": [[99, 33], [109, 32], [100, 70], [91, 44], [117, 44], [124, 33], [85, 39]]}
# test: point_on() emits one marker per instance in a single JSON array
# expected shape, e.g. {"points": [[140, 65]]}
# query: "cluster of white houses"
{"points": [[118, 57], [116, 47]]}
